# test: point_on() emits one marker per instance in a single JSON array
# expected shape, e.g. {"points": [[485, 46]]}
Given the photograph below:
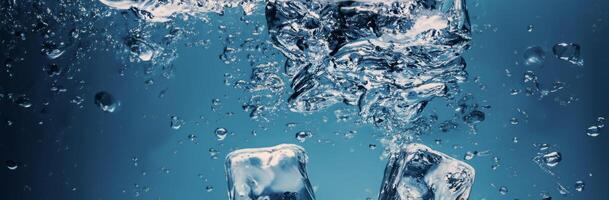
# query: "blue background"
{"points": [[83, 153]]}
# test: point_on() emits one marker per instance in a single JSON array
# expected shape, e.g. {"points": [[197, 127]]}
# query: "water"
{"points": [[387, 58], [144, 99]]}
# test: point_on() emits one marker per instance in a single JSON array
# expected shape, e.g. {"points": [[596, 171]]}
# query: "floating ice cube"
{"points": [[389, 58], [419, 173], [274, 173]]}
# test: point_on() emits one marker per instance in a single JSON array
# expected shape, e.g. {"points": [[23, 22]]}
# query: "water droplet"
{"points": [[105, 102], [579, 186], [534, 56], [221, 133], [11, 165], [569, 52], [302, 136], [503, 190]]}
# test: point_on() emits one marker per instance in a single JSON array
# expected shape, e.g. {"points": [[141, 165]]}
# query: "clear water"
{"points": [[144, 99]]}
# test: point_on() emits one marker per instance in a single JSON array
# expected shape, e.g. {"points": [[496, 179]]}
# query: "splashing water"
{"points": [[388, 58], [162, 10]]}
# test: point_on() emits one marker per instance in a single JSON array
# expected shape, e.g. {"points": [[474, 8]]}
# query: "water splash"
{"points": [[163, 10], [388, 58]]}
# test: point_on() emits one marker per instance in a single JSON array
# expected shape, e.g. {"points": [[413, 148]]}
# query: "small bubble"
{"points": [[176, 122], [474, 117], [221, 133], [53, 70], [105, 102], [530, 28], [503, 190], [552, 159], [11, 165], [213, 153], [593, 131], [579, 186], [216, 104], [534, 56], [562, 189], [209, 188], [23, 101], [545, 196], [192, 137], [470, 155], [135, 163], [569, 52], [302, 136]]}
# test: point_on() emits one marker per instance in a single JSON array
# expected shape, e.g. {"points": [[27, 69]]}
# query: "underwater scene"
{"points": [[304, 99]]}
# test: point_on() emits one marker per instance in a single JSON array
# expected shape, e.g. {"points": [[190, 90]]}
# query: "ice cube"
{"points": [[273, 173], [419, 173]]}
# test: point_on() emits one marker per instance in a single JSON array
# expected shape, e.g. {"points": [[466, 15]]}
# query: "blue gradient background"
{"points": [[87, 154]]}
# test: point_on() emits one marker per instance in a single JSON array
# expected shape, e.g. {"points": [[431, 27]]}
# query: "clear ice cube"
{"points": [[273, 173], [419, 173]]}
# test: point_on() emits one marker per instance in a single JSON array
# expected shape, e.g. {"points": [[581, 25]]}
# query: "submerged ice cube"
{"points": [[274, 173], [419, 173], [389, 58]]}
